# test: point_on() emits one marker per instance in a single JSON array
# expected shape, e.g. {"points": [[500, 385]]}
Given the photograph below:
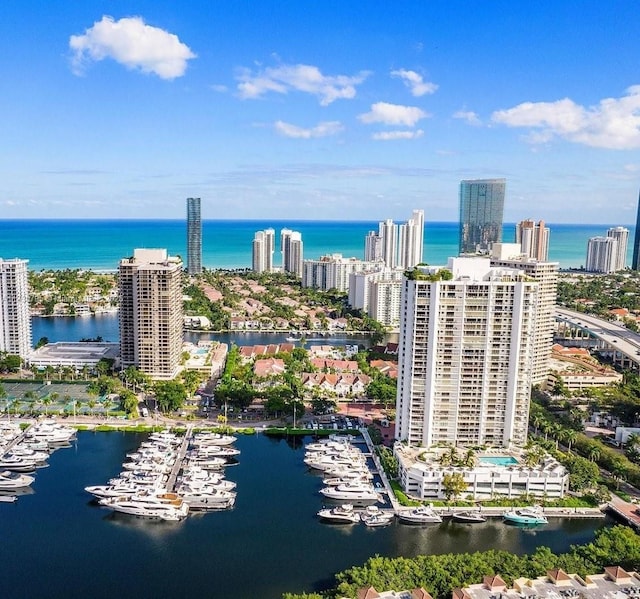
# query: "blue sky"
{"points": [[319, 109]]}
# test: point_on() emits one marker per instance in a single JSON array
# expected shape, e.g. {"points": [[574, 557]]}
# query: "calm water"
{"points": [[99, 245], [56, 543]]}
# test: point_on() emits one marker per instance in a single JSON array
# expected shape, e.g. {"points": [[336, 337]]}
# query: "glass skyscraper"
{"points": [[636, 241], [481, 210], [194, 237]]}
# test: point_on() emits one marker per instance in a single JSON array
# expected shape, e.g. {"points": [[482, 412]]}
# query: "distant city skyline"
{"points": [[319, 111]]}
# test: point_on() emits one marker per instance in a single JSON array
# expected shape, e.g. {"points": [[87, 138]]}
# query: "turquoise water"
{"points": [[499, 460], [100, 244]]}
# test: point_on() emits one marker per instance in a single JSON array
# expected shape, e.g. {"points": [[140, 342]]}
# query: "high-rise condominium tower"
{"points": [[464, 373], [481, 210], [533, 239], [602, 254], [15, 318], [509, 255], [262, 250], [635, 264], [150, 292], [292, 251], [194, 237], [373, 247], [621, 235], [388, 233], [411, 241]]}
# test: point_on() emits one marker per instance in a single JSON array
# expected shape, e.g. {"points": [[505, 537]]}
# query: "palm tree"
{"points": [[593, 452], [46, 402], [569, 435]]}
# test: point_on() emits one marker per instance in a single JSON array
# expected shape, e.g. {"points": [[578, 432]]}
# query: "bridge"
{"points": [[621, 343]]}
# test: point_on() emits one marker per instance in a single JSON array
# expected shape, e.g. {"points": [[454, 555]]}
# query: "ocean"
{"points": [[100, 244]]}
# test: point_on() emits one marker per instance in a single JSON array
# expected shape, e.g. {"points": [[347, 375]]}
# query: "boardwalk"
{"points": [[182, 452]]}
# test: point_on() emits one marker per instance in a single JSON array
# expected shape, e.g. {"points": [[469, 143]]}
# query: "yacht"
{"points": [[341, 514], [14, 480], [525, 515], [219, 451], [165, 506], [207, 497], [17, 463], [212, 463], [469, 517], [114, 490], [374, 517], [350, 473], [207, 438], [419, 515], [351, 492]]}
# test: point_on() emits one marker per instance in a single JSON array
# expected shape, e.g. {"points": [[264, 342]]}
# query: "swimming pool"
{"points": [[499, 460]]}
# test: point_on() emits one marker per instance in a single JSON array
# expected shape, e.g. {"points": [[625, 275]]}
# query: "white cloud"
{"points": [[299, 77], [469, 116], [391, 135], [393, 114], [614, 123], [415, 83], [323, 129], [219, 88], [132, 43]]}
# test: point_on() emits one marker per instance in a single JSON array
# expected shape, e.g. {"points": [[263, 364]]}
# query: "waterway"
{"points": [[56, 543]]}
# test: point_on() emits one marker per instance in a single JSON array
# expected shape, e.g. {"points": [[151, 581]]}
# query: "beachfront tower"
{"points": [[150, 293], [602, 254], [635, 264], [262, 250], [621, 235], [15, 318], [411, 241], [465, 355], [292, 251], [533, 239], [388, 233], [194, 237], [481, 211]]}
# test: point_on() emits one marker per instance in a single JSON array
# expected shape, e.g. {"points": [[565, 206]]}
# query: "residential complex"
{"points": [[292, 251], [397, 245], [465, 356], [262, 250], [533, 239], [507, 255], [377, 293], [602, 254], [150, 294], [332, 271], [15, 318], [194, 237], [481, 212], [621, 235]]}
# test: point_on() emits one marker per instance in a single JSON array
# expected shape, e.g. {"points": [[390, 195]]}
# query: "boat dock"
{"points": [[380, 471], [177, 466]]}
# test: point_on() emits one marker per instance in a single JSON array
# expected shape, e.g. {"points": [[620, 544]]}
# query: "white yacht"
{"points": [[207, 497], [16, 463], [14, 480], [165, 506], [341, 514], [115, 490], [220, 451], [212, 463], [375, 517], [209, 438], [419, 515], [352, 492]]}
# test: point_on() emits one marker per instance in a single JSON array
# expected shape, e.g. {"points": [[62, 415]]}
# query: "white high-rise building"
{"points": [[262, 250], [602, 254], [388, 233], [508, 255], [333, 271], [373, 247], [292, 251], [465, 355], [621, 235], [15, 318], [533, 239], [411, 241], [150, 315], [377, 293]]}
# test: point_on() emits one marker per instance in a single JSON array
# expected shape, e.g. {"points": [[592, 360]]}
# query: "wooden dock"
{"points": [[182, 452]]}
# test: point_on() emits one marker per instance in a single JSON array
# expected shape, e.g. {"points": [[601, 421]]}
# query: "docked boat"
{"points": [[16, 463], [8, 499], [526, 515], [352, 492], [469, 517], [165, 506], [419, 515], [207, 497], [14, 480], [207, 438], [374, 517], [341, 514]]}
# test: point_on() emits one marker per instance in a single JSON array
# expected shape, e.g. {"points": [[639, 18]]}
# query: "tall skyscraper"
{"points": [[481, 213], [621, 235], [635, 264], [373, 247], [292, 251], [263, 247], [533, 239], [465, 355], [411, 241], [508, 255], [388, 232], [602, 254], [194, 237], [150, 292], [15, 318]]}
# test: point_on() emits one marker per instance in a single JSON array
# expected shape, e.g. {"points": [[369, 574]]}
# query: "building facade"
{"points": [[621, 235], [507, 255], [262, 251], [465, 355], [377, 293], [333, 271], [602, 254], [533, 239], [194, 237], [151, 315], [292, 251], [15, 317], [481, 214], [411, 241]]}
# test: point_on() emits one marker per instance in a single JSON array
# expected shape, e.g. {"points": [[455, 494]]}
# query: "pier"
{"points": [[182, 452], [380, 471]]}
